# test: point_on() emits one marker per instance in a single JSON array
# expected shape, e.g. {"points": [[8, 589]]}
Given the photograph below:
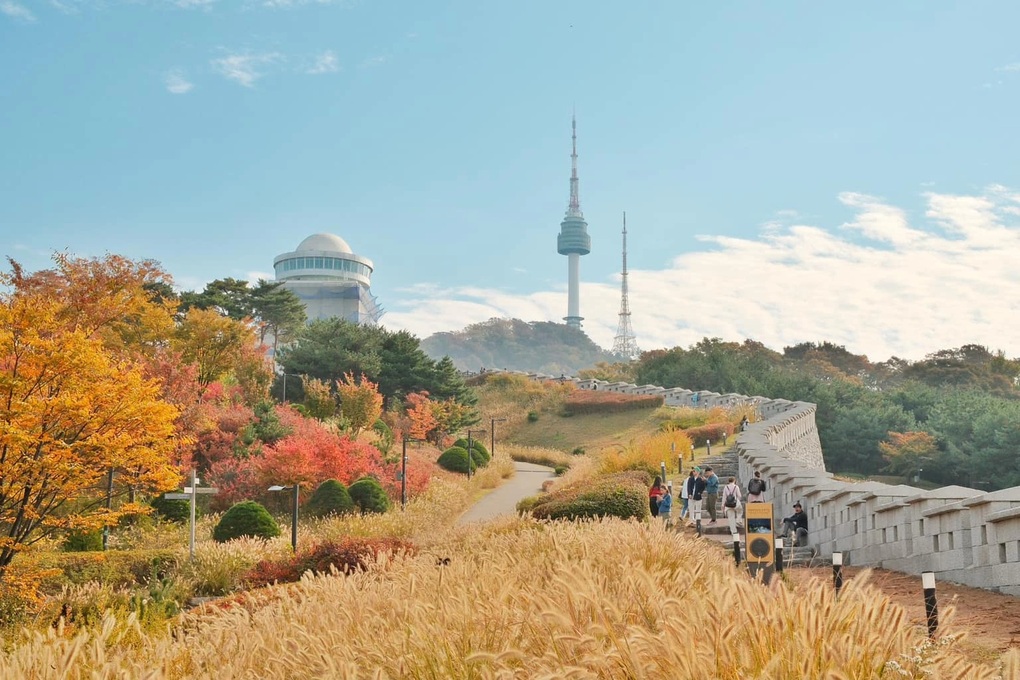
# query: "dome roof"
{"points": [[325, 243]]}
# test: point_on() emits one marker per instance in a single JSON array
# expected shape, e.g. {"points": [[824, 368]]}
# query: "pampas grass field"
{"points": [[517, 598]]}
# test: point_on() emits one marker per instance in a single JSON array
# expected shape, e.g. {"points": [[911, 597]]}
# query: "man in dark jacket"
{"points": [[796, 524]]}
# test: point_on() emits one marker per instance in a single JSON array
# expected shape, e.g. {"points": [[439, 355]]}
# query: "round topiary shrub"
{"points": [[455, 459], [246, 518], [532, 416], [173, 510], [331, 498], [479, 458], [78, 541], [462, 443], [368, 495], [480, 448]]}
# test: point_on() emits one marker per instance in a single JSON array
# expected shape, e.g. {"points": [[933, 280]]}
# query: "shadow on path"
{"points": [[527, 481]]}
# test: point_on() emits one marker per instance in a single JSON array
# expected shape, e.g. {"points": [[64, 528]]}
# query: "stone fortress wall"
{"points": [[963, 535]]}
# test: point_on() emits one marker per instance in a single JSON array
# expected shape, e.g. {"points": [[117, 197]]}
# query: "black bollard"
{"points": [[736, 548], [697, 519], [692, 451], [708, 447], [779, 554], [837, 572], [931, 605]]}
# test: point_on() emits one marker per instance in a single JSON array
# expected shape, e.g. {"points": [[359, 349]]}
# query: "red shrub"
{"points": [[591, 401], [346, 555]]}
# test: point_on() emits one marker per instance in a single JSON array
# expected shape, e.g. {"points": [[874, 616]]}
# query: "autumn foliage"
{"points": [[76, 400], [360, 402]]}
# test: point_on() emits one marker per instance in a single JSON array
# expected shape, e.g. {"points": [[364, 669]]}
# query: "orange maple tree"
{"points": [[71, 410]]}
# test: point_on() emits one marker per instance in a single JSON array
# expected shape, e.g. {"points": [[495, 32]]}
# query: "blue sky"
{"points": [[791, 171]]}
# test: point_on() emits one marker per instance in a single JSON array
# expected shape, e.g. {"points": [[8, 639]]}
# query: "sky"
{"points": [[791, 171]]}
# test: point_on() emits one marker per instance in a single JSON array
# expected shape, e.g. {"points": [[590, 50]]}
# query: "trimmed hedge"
{"points": [[713, 431], [116, 568], [455, 459], [346, 555], [246, 518], [591, 401], [623, 494], [330, 498], [369, 496]]}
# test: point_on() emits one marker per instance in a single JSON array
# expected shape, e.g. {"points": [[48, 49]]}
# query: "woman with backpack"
{"points": [[756, 489], [731, 503]]}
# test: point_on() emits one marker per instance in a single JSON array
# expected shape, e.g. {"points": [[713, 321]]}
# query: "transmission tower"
{"points": [[625, 344]]}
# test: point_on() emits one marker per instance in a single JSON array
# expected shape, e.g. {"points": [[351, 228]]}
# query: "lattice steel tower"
{"points": [[573, 240], [625, 344]]}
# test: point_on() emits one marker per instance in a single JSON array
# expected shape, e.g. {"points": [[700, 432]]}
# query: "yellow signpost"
{"points": [[759, 537]]}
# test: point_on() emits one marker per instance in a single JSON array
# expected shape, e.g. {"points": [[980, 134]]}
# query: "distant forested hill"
{"points": [[513, 344]]}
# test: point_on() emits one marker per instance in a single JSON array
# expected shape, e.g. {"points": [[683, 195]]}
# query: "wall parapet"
{"points": [[964, 535]]}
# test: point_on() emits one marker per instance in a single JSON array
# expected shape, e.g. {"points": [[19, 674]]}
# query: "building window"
{"points": [[318, 263]]}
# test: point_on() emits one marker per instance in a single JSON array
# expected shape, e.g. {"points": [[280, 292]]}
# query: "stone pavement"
{"points": [[527, 481]]}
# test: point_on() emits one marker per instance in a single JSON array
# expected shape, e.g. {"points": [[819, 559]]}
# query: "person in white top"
{"points": [[685, 496], [731, 503]]}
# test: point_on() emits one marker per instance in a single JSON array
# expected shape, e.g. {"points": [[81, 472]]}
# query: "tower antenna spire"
{"points": [[574, 208], [625, 344]]}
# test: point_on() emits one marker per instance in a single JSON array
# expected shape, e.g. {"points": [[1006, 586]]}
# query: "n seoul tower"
{"points": [[573, 240]]}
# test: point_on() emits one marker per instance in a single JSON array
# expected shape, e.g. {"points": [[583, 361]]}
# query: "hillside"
{"points": [[517, 345]]}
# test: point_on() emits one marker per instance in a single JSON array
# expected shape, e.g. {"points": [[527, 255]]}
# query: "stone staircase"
{"points": [[725, 465]]}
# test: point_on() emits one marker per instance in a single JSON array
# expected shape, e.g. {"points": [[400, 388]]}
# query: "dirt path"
{"points": [[991, 620]]}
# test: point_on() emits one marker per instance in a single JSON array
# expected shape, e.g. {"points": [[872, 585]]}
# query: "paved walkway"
{"points": [[527, 481]]}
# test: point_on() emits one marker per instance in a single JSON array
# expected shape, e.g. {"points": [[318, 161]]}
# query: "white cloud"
{"points": [[194, 4], [176, 82], [254, 276], [373, 61], [881, 285], [1010, 67], [324, 63], [16, 10], [244, 68]]}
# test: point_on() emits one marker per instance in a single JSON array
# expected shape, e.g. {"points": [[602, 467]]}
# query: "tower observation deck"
{"points": [[573, 239]]}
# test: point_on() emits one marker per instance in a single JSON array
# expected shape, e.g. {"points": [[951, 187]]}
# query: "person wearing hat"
{"points": [[796, 524]]}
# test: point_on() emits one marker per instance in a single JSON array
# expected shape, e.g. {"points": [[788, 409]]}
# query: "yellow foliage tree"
{"points": [[907, 451], [360, 402], [215, 343], [71, 410]]}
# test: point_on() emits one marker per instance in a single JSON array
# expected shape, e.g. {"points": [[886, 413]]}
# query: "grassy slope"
{"points": [[592, 432]]}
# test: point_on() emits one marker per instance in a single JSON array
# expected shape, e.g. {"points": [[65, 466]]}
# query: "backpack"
{"points": [[731, 500], [756, 486]]}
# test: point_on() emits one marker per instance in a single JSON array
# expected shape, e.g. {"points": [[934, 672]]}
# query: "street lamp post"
{"points": [[284, 395], [294, 511], [403, 472], [492, 432]]}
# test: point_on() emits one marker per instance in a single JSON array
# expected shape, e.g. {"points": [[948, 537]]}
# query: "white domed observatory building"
{"points": [[330, 279]]}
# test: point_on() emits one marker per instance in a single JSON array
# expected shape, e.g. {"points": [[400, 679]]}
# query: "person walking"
{"points": [[711, 493], [666, 506], [756, 489], [685, 495], [697, 494], [654, 494], [731, 503]]}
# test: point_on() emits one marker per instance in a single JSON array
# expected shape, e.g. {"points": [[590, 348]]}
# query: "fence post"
{"points": [[931, 605], [837, 571]]}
